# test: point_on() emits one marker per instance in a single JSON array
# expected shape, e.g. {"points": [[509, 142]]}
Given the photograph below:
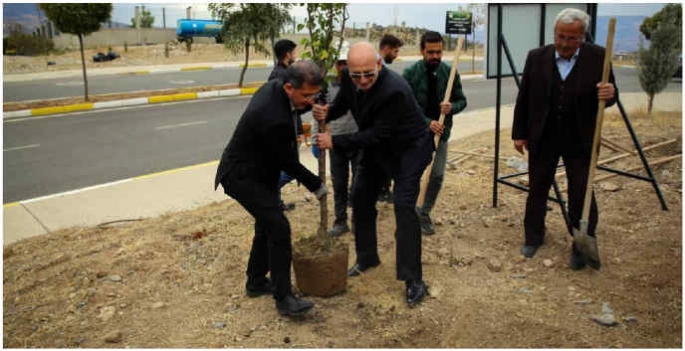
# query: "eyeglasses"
{"points": [[562, 37], [367, 74], [310, 97]]}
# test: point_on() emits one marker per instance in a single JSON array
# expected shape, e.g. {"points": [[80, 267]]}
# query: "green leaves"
{"points": [[323, 22], [77, 18]]}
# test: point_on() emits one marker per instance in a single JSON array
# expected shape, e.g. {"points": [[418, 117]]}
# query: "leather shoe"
{"points": [[263, 288], [339, 229], [576, 261], [292, 306], [287, 207], [427, 227], [357, 269], [529, 250], [416, 291]]}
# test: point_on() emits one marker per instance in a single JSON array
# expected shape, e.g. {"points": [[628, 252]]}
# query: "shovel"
{"points": [[427, 172], [584, 243]]}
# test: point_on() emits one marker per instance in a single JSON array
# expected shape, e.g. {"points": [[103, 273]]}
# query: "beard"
{"points": [[388, 59], [432, 63]]}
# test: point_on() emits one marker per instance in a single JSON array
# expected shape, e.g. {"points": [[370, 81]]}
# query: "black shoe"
{"points": [[427, 227], [385, 195], [357, 269], [529, 250], [287, 207], [292, 306], [263, 288], [416, 291], [339, 228], [576, 261]]}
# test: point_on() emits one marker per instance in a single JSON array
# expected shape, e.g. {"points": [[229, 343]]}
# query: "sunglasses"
{"points": [[368, 74]]}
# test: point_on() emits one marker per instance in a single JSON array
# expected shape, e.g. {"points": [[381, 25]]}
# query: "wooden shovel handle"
{"points": [[598, 125], [436, 140]]}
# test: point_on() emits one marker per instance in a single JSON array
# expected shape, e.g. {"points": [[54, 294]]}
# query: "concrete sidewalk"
{"points": [[160, 193]]}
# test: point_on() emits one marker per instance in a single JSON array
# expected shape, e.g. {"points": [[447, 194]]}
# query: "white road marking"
{"points": [[182, 81], [181, 125], [76, 191], [21, 147]]}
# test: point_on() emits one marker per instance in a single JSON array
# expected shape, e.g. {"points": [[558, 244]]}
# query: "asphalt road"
{"points": [[106, 84], [54, 154]]}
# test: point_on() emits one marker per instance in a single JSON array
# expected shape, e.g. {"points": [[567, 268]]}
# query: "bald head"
{"points": [[361, 53], [363, 64]]}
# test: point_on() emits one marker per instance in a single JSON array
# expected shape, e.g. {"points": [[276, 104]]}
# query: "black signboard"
{"points": [[458, 22]]}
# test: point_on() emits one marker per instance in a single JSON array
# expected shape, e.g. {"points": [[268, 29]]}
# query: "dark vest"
{"points": [[562, 108]]}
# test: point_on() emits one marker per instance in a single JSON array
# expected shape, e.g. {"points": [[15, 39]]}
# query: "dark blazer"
{"points": [[534, 97], [280, 71], [264, 143], [389, 118]]}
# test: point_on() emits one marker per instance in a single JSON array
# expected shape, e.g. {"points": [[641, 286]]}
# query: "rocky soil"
{"points": [[177, 281]]}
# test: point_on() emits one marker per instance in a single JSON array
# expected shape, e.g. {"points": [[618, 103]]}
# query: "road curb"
{"points": [[156, 99]]}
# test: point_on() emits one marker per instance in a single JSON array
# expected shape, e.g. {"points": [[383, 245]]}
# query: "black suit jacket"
{"points": [[264, 143], [280, 71], [389, 118], [534, 97]]}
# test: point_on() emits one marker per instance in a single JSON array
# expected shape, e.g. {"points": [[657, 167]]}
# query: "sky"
{"points": [[431, 15]]}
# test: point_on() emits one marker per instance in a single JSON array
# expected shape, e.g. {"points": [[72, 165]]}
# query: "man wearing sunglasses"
{"points": [[428, 78], [394, 140], [263, 144], [555, 116]]}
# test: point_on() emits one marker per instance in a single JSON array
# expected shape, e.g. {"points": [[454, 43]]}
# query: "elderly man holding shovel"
{"points": [[395, 140], [263, 144], [554, 117]]}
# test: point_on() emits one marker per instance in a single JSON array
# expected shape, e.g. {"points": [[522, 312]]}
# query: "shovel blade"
{"points": [[586, 246]]}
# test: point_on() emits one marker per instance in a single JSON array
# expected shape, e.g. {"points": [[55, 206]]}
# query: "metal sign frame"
{"points": [[540, 16]]}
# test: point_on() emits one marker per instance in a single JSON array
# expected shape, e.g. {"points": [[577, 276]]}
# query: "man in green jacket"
{"points": [[428, 79]]}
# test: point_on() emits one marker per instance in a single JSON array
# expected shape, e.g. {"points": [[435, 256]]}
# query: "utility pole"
{"points": [[138, 25], [163, 17]]}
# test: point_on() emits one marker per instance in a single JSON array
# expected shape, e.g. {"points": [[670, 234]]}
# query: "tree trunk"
{"points": [[247, 57], [83, 63], [323, 207], [650, 104]]}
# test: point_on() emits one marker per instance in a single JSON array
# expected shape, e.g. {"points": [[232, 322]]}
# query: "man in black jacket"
{"points": [[554, 117], [262, 145], [284, 50], [394, 139]]}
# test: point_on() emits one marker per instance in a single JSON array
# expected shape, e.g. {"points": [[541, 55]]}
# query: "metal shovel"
{"points": [[584, 243]]}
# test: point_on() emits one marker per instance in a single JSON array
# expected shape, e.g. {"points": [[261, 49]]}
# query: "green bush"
{"points": [[20, 43]]}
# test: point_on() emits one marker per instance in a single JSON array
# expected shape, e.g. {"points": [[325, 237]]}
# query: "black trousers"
{"points": [[560, 139], [341, 162], [271, 246], [405, 170]]}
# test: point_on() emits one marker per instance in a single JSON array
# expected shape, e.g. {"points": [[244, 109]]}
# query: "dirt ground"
{"points": [[178, 280]]}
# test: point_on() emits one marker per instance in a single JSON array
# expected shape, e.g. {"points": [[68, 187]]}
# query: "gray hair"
{"points": [[570, 15], [304, 71]]}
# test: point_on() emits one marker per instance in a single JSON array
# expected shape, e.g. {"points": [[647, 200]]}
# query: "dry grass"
{"points": [[194, 262]]}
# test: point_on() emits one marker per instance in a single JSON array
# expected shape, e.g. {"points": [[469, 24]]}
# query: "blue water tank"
{"points": [[187, 29]]}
